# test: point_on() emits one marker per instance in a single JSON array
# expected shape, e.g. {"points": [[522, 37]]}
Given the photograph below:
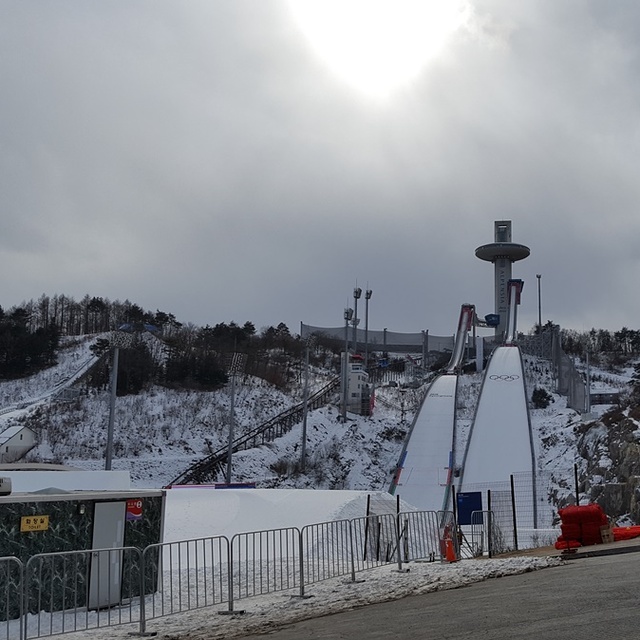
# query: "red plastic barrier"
{"points": [[625, 533], [581, 524], [563, 543], [583, 513]]}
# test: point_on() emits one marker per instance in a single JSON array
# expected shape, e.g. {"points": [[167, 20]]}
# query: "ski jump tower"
{"points": [[503, 253]]}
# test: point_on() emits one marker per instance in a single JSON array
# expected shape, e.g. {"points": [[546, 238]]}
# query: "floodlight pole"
{"points": [[539, 276], [348, 315], [231, 421], [112, 409], [305, 401], [236, 365], [367, 296], [357, 292], [587, 395], [119, 340]]}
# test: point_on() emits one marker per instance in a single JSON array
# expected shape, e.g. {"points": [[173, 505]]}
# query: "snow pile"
{"points": [[225, 512], [378, 585], [267, 612]]}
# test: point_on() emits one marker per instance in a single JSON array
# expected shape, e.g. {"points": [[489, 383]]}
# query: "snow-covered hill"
{"points": [[158, 434]]}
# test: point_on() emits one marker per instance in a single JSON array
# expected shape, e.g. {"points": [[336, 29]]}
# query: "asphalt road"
{"points": [[583, 599]]}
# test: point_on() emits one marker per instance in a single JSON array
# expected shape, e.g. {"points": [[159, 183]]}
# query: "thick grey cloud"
{"points": [[200, 158]]}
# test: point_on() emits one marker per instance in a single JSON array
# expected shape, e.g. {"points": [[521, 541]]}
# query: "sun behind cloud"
{"points": [[376, 46]]}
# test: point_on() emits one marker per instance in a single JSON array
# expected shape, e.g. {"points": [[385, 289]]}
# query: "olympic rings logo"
{"points": [[504, 378]]}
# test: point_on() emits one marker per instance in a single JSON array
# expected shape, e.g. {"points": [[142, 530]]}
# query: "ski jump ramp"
{"points": [[500, 445], [423, 475], [424, 471], [500, 442]]}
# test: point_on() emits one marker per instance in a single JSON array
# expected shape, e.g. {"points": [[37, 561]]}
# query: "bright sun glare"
{"points": [[377, 45]]}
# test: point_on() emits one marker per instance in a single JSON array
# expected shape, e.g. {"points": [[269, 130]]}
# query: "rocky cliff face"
{"points": [[610, 452]]}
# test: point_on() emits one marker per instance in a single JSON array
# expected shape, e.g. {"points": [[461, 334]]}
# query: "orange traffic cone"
{"points": [[450, 552]]}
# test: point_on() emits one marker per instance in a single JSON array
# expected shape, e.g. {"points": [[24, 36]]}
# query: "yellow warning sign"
{"points": [[34, 523]]}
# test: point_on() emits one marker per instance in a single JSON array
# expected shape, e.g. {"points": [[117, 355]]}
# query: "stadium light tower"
{"points": [[539, 276], [503, 253], [348, 317], [357, 292], [367, 296]]}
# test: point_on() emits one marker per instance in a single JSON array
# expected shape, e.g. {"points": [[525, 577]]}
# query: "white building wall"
{"points": [[357, 386], [17, 445]]}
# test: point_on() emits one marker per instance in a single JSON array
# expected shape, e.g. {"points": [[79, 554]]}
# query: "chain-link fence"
{"points": [[385, 341], [569, 381]]}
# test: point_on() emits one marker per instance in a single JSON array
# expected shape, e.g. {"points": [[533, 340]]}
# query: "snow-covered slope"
{"points": [[158, 434]]}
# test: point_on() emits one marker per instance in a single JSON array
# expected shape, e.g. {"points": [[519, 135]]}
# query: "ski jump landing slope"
{"points": [[423, 473], [500, 442]]}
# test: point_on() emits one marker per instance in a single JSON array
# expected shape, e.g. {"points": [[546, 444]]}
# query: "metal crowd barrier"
{"points": [[424, 534], [326, 551], [184, 575], [12, 605], [264, 562], [70, 591], [481, 527], [376, 541]]}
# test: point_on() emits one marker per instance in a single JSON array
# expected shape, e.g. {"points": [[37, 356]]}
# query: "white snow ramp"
{"points": [[500, 440], [424, 469]]}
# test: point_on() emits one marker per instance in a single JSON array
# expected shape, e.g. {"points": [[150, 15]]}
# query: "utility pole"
{"points": [[348, 316], [119, 340], [539, 276], [367, 296], [236, 366], [311, 340], [357, 292]]}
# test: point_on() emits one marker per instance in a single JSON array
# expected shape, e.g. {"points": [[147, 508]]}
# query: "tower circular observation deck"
{"points": [[496, 250]]}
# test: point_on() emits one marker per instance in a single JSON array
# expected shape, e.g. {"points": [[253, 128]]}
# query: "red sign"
{"points": [[134, 509]]}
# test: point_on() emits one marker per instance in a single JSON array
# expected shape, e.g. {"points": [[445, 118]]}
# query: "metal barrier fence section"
{"points": [[480, 543], [423, 534], [264, 562], [326, 551], [376, 541], [92, 588], [71, 591], [12, 586], [184, 575]]}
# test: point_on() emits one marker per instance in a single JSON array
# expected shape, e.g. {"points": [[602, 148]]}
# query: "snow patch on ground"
{"points": [[268, 612]]}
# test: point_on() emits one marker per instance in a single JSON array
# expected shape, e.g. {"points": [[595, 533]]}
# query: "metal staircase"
{"points": [[208, 469]]}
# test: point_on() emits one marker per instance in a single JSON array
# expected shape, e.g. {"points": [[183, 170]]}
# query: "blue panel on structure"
{"points": [[492, 319], [467, 504]]}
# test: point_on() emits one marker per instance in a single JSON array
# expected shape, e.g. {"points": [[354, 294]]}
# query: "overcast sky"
{"points": [[222, 160]]}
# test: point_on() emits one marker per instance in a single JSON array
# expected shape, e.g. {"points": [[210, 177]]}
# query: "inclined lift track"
{"points": [[423, 474]]}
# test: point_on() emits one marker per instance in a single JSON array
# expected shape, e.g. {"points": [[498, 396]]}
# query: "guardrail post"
{"points": [[398, 549], [351, 552], [22, 610], [143, 598], [301, 551], [230, 610], [230, 576]]}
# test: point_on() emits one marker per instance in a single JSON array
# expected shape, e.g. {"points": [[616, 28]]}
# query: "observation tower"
{"points": [[503, 253]]}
